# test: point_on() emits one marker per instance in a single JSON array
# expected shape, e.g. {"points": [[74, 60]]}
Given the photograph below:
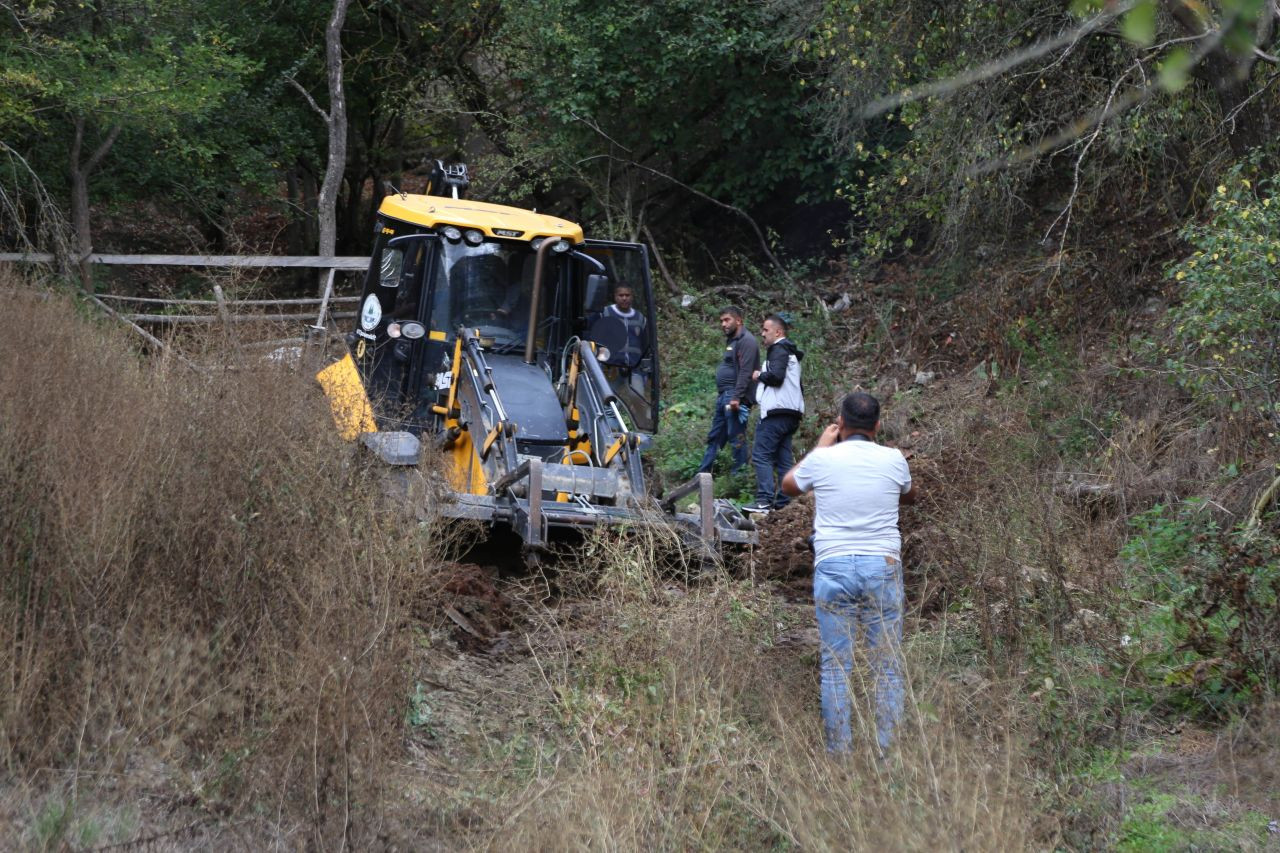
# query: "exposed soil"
{"points": [[784, 555], [479, 613]]}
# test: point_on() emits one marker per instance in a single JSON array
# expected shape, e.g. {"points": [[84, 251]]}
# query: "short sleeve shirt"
{"points": [[856, 487]]}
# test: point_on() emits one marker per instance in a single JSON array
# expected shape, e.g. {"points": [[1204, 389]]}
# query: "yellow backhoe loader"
{"points": [[483, 336]]}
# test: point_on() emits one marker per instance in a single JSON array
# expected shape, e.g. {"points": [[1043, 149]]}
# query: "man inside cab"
{"points": [[629, 333], [623, 330]]}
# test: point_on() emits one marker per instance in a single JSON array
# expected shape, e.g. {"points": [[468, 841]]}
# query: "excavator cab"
{"points": [[438, 286], [493, 335]]}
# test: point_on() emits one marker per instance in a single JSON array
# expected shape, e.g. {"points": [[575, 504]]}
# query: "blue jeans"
{"points": [[726, 428], [771, 455], [859, 594]]}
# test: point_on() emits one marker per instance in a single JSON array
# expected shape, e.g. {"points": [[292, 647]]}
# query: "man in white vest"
{"points": [[781, 401]]}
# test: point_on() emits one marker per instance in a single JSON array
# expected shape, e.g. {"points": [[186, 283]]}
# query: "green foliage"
{"points": [[147, 64], [52, 823], [1139, 23], [945, 137], [420, 714], [910, 173], [1154, 821], [1208, 629], [1225, 330], [699, 91], [1165, 540], [131, 90]]}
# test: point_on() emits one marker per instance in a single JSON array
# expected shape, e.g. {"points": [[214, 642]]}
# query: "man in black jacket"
{"points": [[781, 406], [733, 386]]}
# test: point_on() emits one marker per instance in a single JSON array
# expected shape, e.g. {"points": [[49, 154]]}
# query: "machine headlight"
{"points": [[393, 330], [473, 236], [602, 354], [560, 245], [451, 233], [413, 330], [370, 313]]}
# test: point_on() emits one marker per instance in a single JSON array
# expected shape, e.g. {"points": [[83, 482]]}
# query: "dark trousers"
{"points": [[772, 456], [726, 428]]}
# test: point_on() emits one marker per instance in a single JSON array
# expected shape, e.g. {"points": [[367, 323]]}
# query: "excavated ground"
{"points": [[783, 555]]}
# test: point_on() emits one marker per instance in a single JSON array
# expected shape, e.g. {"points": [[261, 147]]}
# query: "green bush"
{"points": [[1208, 628], [1225, 331]]}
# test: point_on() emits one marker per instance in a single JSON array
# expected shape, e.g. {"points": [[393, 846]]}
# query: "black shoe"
{"points": [[758, 507]]}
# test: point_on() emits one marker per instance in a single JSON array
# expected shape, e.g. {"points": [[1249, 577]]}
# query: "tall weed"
{"points": [[198, 579]]}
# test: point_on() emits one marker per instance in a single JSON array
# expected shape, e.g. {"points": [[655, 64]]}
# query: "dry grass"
{"points": [[204, 596], [687, 717]]}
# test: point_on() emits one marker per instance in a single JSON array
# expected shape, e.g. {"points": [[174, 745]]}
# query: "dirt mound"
{"points": [[784, 554]]}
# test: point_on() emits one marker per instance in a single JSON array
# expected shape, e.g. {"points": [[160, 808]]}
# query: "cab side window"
{"points": [[390, 267]]}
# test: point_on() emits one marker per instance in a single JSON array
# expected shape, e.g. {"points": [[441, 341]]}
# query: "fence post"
{"points": [[316, 334], [222, 309]]}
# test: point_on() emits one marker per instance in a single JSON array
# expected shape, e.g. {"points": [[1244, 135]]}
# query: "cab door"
{"points": [[629, 263], [396, 290]]}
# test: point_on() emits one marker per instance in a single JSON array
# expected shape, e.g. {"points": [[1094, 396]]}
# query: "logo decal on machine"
{"points": [[370, 313]]}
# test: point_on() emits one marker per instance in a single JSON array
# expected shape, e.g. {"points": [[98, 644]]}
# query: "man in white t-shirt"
{"points": [[857, 577]]}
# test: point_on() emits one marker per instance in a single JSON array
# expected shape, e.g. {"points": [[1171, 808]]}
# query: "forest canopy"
{"points": [[861, 126]]}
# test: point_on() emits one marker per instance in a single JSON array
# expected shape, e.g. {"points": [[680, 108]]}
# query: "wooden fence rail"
{"points": [[223, 305], [335, 262], [157, 300], [206, 319]]}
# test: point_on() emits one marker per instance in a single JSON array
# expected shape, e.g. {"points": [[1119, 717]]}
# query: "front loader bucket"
{"points": [[525, 499]]}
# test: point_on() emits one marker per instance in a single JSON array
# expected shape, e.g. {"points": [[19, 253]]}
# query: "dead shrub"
{"points": [[198, 577]]}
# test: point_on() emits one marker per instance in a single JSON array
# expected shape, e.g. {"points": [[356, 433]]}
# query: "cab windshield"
{"points": [[488, 288]]}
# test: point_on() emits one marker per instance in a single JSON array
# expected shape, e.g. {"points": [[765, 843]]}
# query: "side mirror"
{"points": [[597, 294]]}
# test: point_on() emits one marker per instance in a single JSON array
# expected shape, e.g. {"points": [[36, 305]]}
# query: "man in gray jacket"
{"points": [[781, 406], [733, 391]]}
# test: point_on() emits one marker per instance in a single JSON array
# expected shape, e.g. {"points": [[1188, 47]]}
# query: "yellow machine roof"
{"points": [[433, 211]]}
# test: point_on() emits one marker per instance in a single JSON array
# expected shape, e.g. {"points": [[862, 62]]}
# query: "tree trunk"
{"points": [[337, 122], [83, 244], [1245, 115], [79, 173]]}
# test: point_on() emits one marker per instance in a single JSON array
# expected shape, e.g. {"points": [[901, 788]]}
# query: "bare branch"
{"points": [[1082, 125], [1075, 185], [310, 100], [101, 151], [50, 226], [1230, 117], [996, 67], [764, 244], [589, 123]]}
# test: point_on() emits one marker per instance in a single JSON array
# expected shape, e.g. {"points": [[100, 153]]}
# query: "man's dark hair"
{"points": [[731, 310], [779, 322], [624, 285], [860, 411]]}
